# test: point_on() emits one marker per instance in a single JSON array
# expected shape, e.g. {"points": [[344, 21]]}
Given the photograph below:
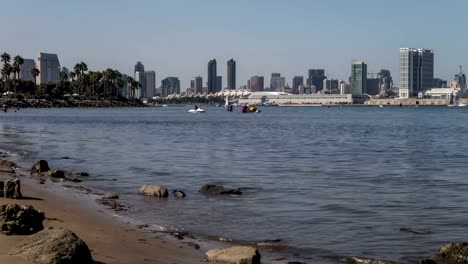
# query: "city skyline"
{"points": [[185, 49]]}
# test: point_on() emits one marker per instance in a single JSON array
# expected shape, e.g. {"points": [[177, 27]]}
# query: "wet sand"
{"points": [[109, 240]]}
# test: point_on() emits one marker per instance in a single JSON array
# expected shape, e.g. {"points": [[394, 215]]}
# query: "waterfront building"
{"points": [[416, 71], [293, 99], [190, 91], [277, 82], [170, 85], [212, 76], [231, 74], [26, 68], [49, 67], [198, 85], [256, 83], [316, 77], [150, 84], [358, 77]]}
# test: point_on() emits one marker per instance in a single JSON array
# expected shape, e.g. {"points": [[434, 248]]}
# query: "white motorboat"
{"points": [[380, 105], [198, 110], [461, 105]]}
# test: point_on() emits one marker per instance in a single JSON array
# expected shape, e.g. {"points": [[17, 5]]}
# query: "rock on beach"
{"points": [[154, 190], [218, 189], [457, 252], [20, 219], [235, 255], [55, 246], [40, 166], [11, 189], [7, 166]]}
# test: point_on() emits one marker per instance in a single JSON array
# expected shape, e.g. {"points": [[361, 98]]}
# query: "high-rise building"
{"points": [[331, 85], [26, 68], [416, 71], [219, 83], [231, 74], [150, 84], [198, 85], [49, 67], [170, 85], [277, 82], [316, 77], [385, 81], [296, 82], [139, 76], [139, 67], [439, 83], [461, 79], [358, 77], [256, 83], [372, 86], [212, 76]]}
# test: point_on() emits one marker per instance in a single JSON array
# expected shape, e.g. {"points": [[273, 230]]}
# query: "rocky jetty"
{"points": [[55, 246], [154, 190], [219, 190], [20, 219], [69, 103], [235, 255], [455, 252]]}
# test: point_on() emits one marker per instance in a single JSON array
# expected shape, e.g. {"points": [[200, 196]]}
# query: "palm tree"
{"points": [[35, 72], [130, 80], [63, 76], [5, 58], [6, 72], [17, 62], [134, 85]]}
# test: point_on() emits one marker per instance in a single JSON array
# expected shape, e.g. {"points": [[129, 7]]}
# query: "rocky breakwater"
{"points": [[69, 103]]}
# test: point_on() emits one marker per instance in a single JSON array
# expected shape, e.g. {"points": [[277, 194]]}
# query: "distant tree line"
{"points": [[80, 82]]}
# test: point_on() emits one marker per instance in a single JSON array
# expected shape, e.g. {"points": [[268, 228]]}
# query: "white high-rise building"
{"points": [[49, 67], [26, 68], [416, 71], [150, 82]]}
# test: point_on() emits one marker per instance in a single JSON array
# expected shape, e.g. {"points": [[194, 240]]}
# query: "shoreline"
{"points": [[110, 240]]}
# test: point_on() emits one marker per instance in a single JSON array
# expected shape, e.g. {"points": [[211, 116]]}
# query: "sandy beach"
{"points": [[109, 240]]}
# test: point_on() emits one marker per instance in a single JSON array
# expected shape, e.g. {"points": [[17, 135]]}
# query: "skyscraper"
{"points": [[231, 74], [139, 76], [170, 85], [212, 76], [372, 86], [256, 83], [316, 77], [198, 85], [49, 67], [385, 81], [358, 77], [416, 71], [296, 82], [150, 83], [277, 82], [219, 83], [25, 70]]}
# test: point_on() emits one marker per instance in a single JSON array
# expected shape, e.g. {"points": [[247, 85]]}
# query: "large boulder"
{"points": [[12, 189], [7, 166], [2, 188], [54, 246], [40, 166], [218, 189], [456, 252], [235, 255], [20, 219], [59, 174], [154, 190]]}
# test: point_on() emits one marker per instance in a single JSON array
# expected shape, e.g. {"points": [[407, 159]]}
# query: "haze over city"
{"points": [[178, 38]]}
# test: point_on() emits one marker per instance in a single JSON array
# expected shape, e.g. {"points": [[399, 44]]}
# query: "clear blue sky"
{"points": [[178, 38]]}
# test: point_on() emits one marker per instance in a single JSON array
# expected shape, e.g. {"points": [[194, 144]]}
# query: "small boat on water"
{"points": [[461, 105], [380, 105], [198, 110]]}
